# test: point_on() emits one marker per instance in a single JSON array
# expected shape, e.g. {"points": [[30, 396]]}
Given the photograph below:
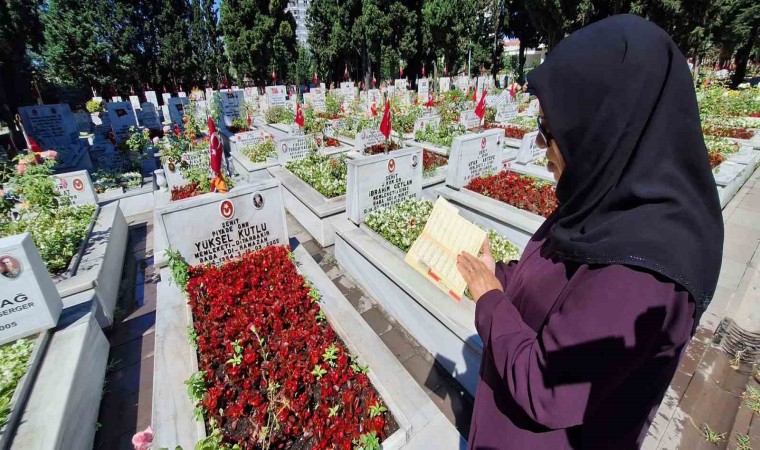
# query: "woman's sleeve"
{"points": [[504, 271], [605, 328]]}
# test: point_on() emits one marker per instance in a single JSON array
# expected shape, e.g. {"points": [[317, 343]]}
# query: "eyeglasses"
{"points": [[544, 137]]}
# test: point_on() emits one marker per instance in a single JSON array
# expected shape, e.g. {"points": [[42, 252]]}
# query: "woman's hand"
{"points": [[479, 273]]}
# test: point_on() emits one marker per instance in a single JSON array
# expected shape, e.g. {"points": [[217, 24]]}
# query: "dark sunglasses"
{"points": [[544, 134]]}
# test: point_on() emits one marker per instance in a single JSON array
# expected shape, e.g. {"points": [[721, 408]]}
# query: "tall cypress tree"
{"points": [[175, 62]]}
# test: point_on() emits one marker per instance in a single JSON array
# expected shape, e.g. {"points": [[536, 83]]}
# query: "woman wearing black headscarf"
{"points": [[582, 336]]}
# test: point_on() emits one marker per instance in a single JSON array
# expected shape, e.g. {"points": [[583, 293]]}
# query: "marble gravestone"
{"points": [[292, 148], [151, 120], [84, 122], [376, 97], [181, 94], [231, 103], [444, 84], [463, 83], [177, 107], [77, 187], [469, 119], [367, 138], [116, 99], [423, 89], [113, 161], [165, 98], [529, 151], [275, 95], [122, 119], [481, 86], [135, 101], [506, 112], [30, 301], [432, 120], [214, 228], [382, 181], [473, 156], [318, 99], [348, 89], [150, 97], [54, 128]]}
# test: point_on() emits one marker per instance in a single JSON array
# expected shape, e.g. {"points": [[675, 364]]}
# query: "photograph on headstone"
{"points": [[177, 107], [53, 127], [122, 118]]}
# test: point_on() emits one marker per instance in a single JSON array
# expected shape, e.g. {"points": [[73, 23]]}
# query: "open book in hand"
{"points": [[445, 236]]}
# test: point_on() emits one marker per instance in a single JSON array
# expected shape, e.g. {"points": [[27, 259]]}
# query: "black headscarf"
{"points": [[637, 187]]}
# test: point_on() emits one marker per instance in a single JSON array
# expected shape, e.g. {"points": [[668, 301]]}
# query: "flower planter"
{"points": [[430, 147], [513, 223], [98, 266], [421, 424], [731, 175], [24, 387], [250, 170], [532, 170], [315, 212], [61, 409], [132, 201], [445, 327]]}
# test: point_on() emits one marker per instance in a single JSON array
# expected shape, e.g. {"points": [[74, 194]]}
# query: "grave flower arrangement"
{"points": [[107, 179], [279, 114], [326, 174], [14, 360], [527, 193], [402, 224], [32, 204], [403, 116], [377, 149], [272, 371], [260, 151], [431, 162], [719, 101], [441, 136], [719, 148], [737, 128]]}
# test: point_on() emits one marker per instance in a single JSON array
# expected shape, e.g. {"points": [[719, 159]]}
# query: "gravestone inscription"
{"points": [[474, 156]]}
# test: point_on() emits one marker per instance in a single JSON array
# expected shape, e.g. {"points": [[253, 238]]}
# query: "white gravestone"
{"points": [[77, 186], [276, 95], [480, 86], [165, 97], [506, 112], [444, 84], [165, 112], [177, 107], [231, 103], [348, 89], [251, 94], [135, 101], [113, 161], [181, 94], [375, 96], [529, 151], [367, 138], [54, 128], [150, 116], [463, 83], [318, 99], [474, 156], [214, 228], [423, 89], [29, 301], [150, 96], [382, 181], [469, 119], [116, 99], [427, 120], [200, 108], [400, 85], [122, 119], [292, 148], [209, 93]]}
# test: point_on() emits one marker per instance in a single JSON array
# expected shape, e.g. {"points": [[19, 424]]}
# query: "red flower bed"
{"points": [[517, 190], [324, 115], [380, 148], [715, 159], [432, 161], [736, 133], [755, 114], [332, 142], [186, 191], [510, 131], [270, 359]]}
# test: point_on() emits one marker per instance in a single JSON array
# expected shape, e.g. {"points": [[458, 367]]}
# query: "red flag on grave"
{"points": [[274, 75], [512, 91], [345, 73], [474, 96], [299, 115], [400, 72], [373, 110], [249, 118], [385, 125], [423, 71], [215, 160], [315, 79], [430, 101], [374, 81], [35, 148], [480, 110]]}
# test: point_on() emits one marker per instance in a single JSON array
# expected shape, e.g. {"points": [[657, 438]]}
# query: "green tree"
{"points": [[736, 31], [302, 68], [259, 36], [175, 61], [330, 32], [519, 25]]}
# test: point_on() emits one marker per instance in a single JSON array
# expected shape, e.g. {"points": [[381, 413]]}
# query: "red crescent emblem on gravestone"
{"points": [[226, 209], [391, 165], [78, 185], [284, 148], [483, 143]]}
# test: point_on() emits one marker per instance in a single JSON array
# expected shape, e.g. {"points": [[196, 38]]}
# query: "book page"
{"points": [[434, 253]]}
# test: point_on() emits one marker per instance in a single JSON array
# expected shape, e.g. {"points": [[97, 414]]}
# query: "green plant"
{"points": [[377, 409], [318, 371], [260, 151], [330, 355], [326, 174], [332, 104], [368, 441], [711, 436], [94, 106], [279, 114], [743, 442], [14, 358], [752, 399], [178, 268], [441, 136]]}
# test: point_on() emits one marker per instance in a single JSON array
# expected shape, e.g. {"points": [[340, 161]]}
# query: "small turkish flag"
{"points": [[215, 148], [373, 109], [345, 73], [374, 81], [248, 117], [274, 75], [401, 72], [480, 110], [35, 148], [177, 131], [299, 116], [512, 91], [423, 71], [446, 71], [430, 101], [315, 79], [474, 96], [385, 125]]}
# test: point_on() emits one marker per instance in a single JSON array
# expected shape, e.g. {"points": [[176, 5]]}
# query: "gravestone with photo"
{"points": [[276, 95], [212, 229], [348, 90], [30, 301], [469, 119], [231, 103], [382, 181], [177, 107], [54, 128], [423, 89], [122, 119]]}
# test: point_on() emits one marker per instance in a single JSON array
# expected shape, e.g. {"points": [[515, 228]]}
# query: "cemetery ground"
{"points": [[705, 397]]}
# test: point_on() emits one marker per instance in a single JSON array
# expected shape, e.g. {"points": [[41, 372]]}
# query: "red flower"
{"points": [[517, 190]]}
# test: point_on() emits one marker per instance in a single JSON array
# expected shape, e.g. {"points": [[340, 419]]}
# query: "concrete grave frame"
{"points": [[61, 409], [421, 424], [730, 176], [317, 213], [97, 267], [445, 327]]}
